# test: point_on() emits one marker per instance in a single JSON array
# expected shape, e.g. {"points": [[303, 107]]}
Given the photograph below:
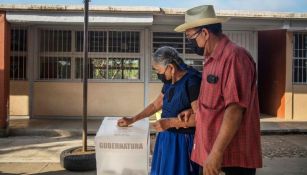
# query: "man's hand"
{"points": [[212, 165], [125, 121], [184, 116], [231, 122], [162, 125]]}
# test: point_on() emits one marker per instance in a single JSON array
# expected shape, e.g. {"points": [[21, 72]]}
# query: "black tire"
{"points": [[78, 162]]}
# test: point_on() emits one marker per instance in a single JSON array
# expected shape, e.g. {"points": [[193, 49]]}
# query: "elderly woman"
{"points": [[180, 91]]}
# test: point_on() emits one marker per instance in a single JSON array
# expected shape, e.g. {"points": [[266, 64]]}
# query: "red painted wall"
{"points": [[272, 72], [4, 70]]}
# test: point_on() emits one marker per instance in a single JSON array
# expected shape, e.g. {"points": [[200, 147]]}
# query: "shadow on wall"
{"points": [[19, 88], [272, 72]]}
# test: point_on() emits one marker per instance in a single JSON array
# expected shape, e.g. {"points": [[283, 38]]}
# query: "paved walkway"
{"points": [[283, 166], [25, 126], [34, 146]]}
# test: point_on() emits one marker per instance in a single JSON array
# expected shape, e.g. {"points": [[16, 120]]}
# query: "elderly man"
{"points": [[227, 136]]}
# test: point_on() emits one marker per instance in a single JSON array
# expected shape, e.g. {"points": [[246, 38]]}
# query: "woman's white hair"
{"points": [[167, 55]]}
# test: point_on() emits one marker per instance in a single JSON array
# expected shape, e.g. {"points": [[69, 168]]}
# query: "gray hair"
{"points": [[167, 55]]}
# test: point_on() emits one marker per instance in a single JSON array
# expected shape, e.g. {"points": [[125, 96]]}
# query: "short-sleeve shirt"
{"points": [[229, 77], [178, 96]]}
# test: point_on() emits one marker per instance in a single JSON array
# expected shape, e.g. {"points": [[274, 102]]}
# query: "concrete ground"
{"points": [[280, 166], [34, 147], [51, 126], [38, 169], [283, 154]]}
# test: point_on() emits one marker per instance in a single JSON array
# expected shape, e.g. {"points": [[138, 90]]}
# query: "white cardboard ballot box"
{"points": [[122, 150]]}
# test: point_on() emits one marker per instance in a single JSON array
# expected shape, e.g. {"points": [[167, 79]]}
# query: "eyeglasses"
{"points": [[194, 35]]}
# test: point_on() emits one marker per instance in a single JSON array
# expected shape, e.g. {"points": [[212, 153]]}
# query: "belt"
{"points": [[182, 130]]}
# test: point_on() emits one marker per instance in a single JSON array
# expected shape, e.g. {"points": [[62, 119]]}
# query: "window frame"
{"points": [[298, 58], [24, 54], [74, 54]]}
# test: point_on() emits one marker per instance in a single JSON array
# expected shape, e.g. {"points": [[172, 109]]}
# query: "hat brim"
{"points": [[200, 22]]}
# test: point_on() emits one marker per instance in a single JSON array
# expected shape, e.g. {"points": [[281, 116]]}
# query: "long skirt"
{"points": [[172, 155]]}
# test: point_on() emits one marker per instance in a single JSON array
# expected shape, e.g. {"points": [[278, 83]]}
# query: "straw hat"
{"points": [[199, 16]]}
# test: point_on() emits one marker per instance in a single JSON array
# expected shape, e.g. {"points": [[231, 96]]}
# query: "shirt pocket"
{"points": [[211, 97]]}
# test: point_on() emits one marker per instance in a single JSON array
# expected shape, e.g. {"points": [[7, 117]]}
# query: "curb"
{"points": [[283, 131], [47, 132], [71, 133], [271, 132]]}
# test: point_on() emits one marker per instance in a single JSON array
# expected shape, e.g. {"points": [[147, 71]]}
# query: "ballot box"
{"points": [[122, 150]]}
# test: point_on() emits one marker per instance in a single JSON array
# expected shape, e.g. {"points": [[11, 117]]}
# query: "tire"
{"points": [[73, 161]]}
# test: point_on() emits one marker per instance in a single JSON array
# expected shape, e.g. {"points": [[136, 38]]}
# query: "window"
{"points": [[18, 63], [168, 39], [97, 68], [18, 69], [114, 68], [124, 41], [55, 68], [55, 41], [300, 58], [97, 41], [112, 55], [124, 68], [55, 54], [115, 65]]}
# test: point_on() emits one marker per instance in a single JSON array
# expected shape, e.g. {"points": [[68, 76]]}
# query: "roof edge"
{"points": [[151, 9]]}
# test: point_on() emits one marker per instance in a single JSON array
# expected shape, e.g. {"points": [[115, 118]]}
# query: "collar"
{"points": [[219, 48]]}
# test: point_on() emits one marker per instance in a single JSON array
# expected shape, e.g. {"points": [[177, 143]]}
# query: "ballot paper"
{"points": [[122, 150]]}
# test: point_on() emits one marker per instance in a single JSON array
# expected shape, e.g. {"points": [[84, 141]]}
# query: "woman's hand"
{"points": [[185, 115], [125, 121], [162, 125]]}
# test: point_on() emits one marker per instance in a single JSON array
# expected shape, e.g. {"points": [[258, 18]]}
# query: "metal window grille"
{"points": [[114, 68], [121, 60], [55, 54], [97, 41], [97, 68], [124, 68], [113, 54], [124, 41], [300, 58], [55, 68], [18, 58], [55, 41], [172, 39]]}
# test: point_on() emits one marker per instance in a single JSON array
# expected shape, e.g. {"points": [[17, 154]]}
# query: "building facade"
{"points": [[46, 44]]}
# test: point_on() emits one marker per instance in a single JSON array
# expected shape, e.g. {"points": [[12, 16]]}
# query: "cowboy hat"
{"points": [[199, 16]]}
